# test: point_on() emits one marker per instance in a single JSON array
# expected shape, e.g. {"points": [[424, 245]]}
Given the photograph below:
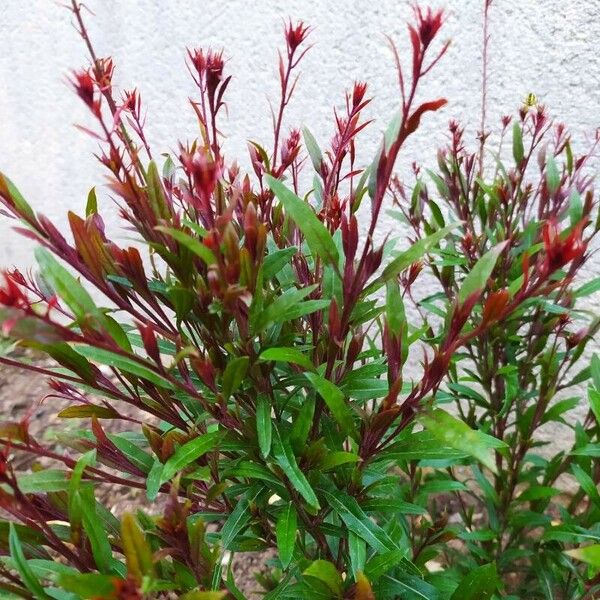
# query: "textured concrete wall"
{"points": [[544, 46]]}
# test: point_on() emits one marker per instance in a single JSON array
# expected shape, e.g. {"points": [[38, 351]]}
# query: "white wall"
{"points": [[544, 46]]}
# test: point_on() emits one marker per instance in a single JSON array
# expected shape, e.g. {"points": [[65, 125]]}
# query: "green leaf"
{"points": [[394, 309], [234, 374], [421, 445], [476, 281], [379, 564], [43, 569], [74, 498], [237, 520], [458, 435], [588, 288], [9, 190], [287, 461], [192, 244], [289, 306], [517, 143], [188, 453], [124, 363], [141, 459], [155, 191], [275, 261], [357, 551], [326, 572], [82, 411], [263, 425], [302, 423], [537, 492], [594, 399], [251, 470], [410, 256], [588, 554], [153, 481], [409, 587], [288, 355], [334, 398], [27, 576], [48, 480], [96, 533], [91, 207], [587, 483], [88, 585], [575, 207], [552, 175], [137, 551], [212, 595], [357, 521], [479, 584], [595, 371], [285, 533], [313, 149], [335, 459], [587, 450], [66, 286], [316, 234]]}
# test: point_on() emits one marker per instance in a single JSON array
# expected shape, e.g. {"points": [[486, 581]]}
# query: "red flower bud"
{"points": [[150, 343], [295, 35], [559, 252], [358, 93], [84, 86], [428, 24], [494, 305]]}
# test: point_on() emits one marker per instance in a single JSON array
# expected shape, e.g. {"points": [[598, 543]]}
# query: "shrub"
{"points": [[247, 372]]}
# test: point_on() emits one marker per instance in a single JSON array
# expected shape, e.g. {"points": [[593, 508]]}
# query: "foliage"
{"points": [[253, 371]]}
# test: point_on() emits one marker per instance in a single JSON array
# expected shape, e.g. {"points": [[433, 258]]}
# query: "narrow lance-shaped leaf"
{"points": [[325, 571], [285, 533], [195, 246], [410, 256], [28, 577], [588, 554], [66, 286], [263, 425], [357, 521], [476, 281], [458, 435], [237, 520], [317, 236], [289, 355], [552, 175], [479, 584], [284, 455], [91, 207], [9, 190], [313, 149], [517, 144], [96, 533], [138, 554], [124, 363], [188, 453], [234, 374], [335, 401], [357, 551]]}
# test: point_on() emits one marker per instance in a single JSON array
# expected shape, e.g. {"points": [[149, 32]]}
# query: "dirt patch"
{"points": [[26, 394]]}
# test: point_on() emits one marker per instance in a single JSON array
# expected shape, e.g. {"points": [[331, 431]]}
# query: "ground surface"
{"points": [[22, 392]]}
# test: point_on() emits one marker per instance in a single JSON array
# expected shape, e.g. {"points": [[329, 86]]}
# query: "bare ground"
{"points": [[25, 393]]}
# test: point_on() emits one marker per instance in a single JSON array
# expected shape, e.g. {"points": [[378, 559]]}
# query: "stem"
{"points": [[486, 39]]}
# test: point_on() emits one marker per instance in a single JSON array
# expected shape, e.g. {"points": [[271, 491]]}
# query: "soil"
{"points": [[25, 393]]}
